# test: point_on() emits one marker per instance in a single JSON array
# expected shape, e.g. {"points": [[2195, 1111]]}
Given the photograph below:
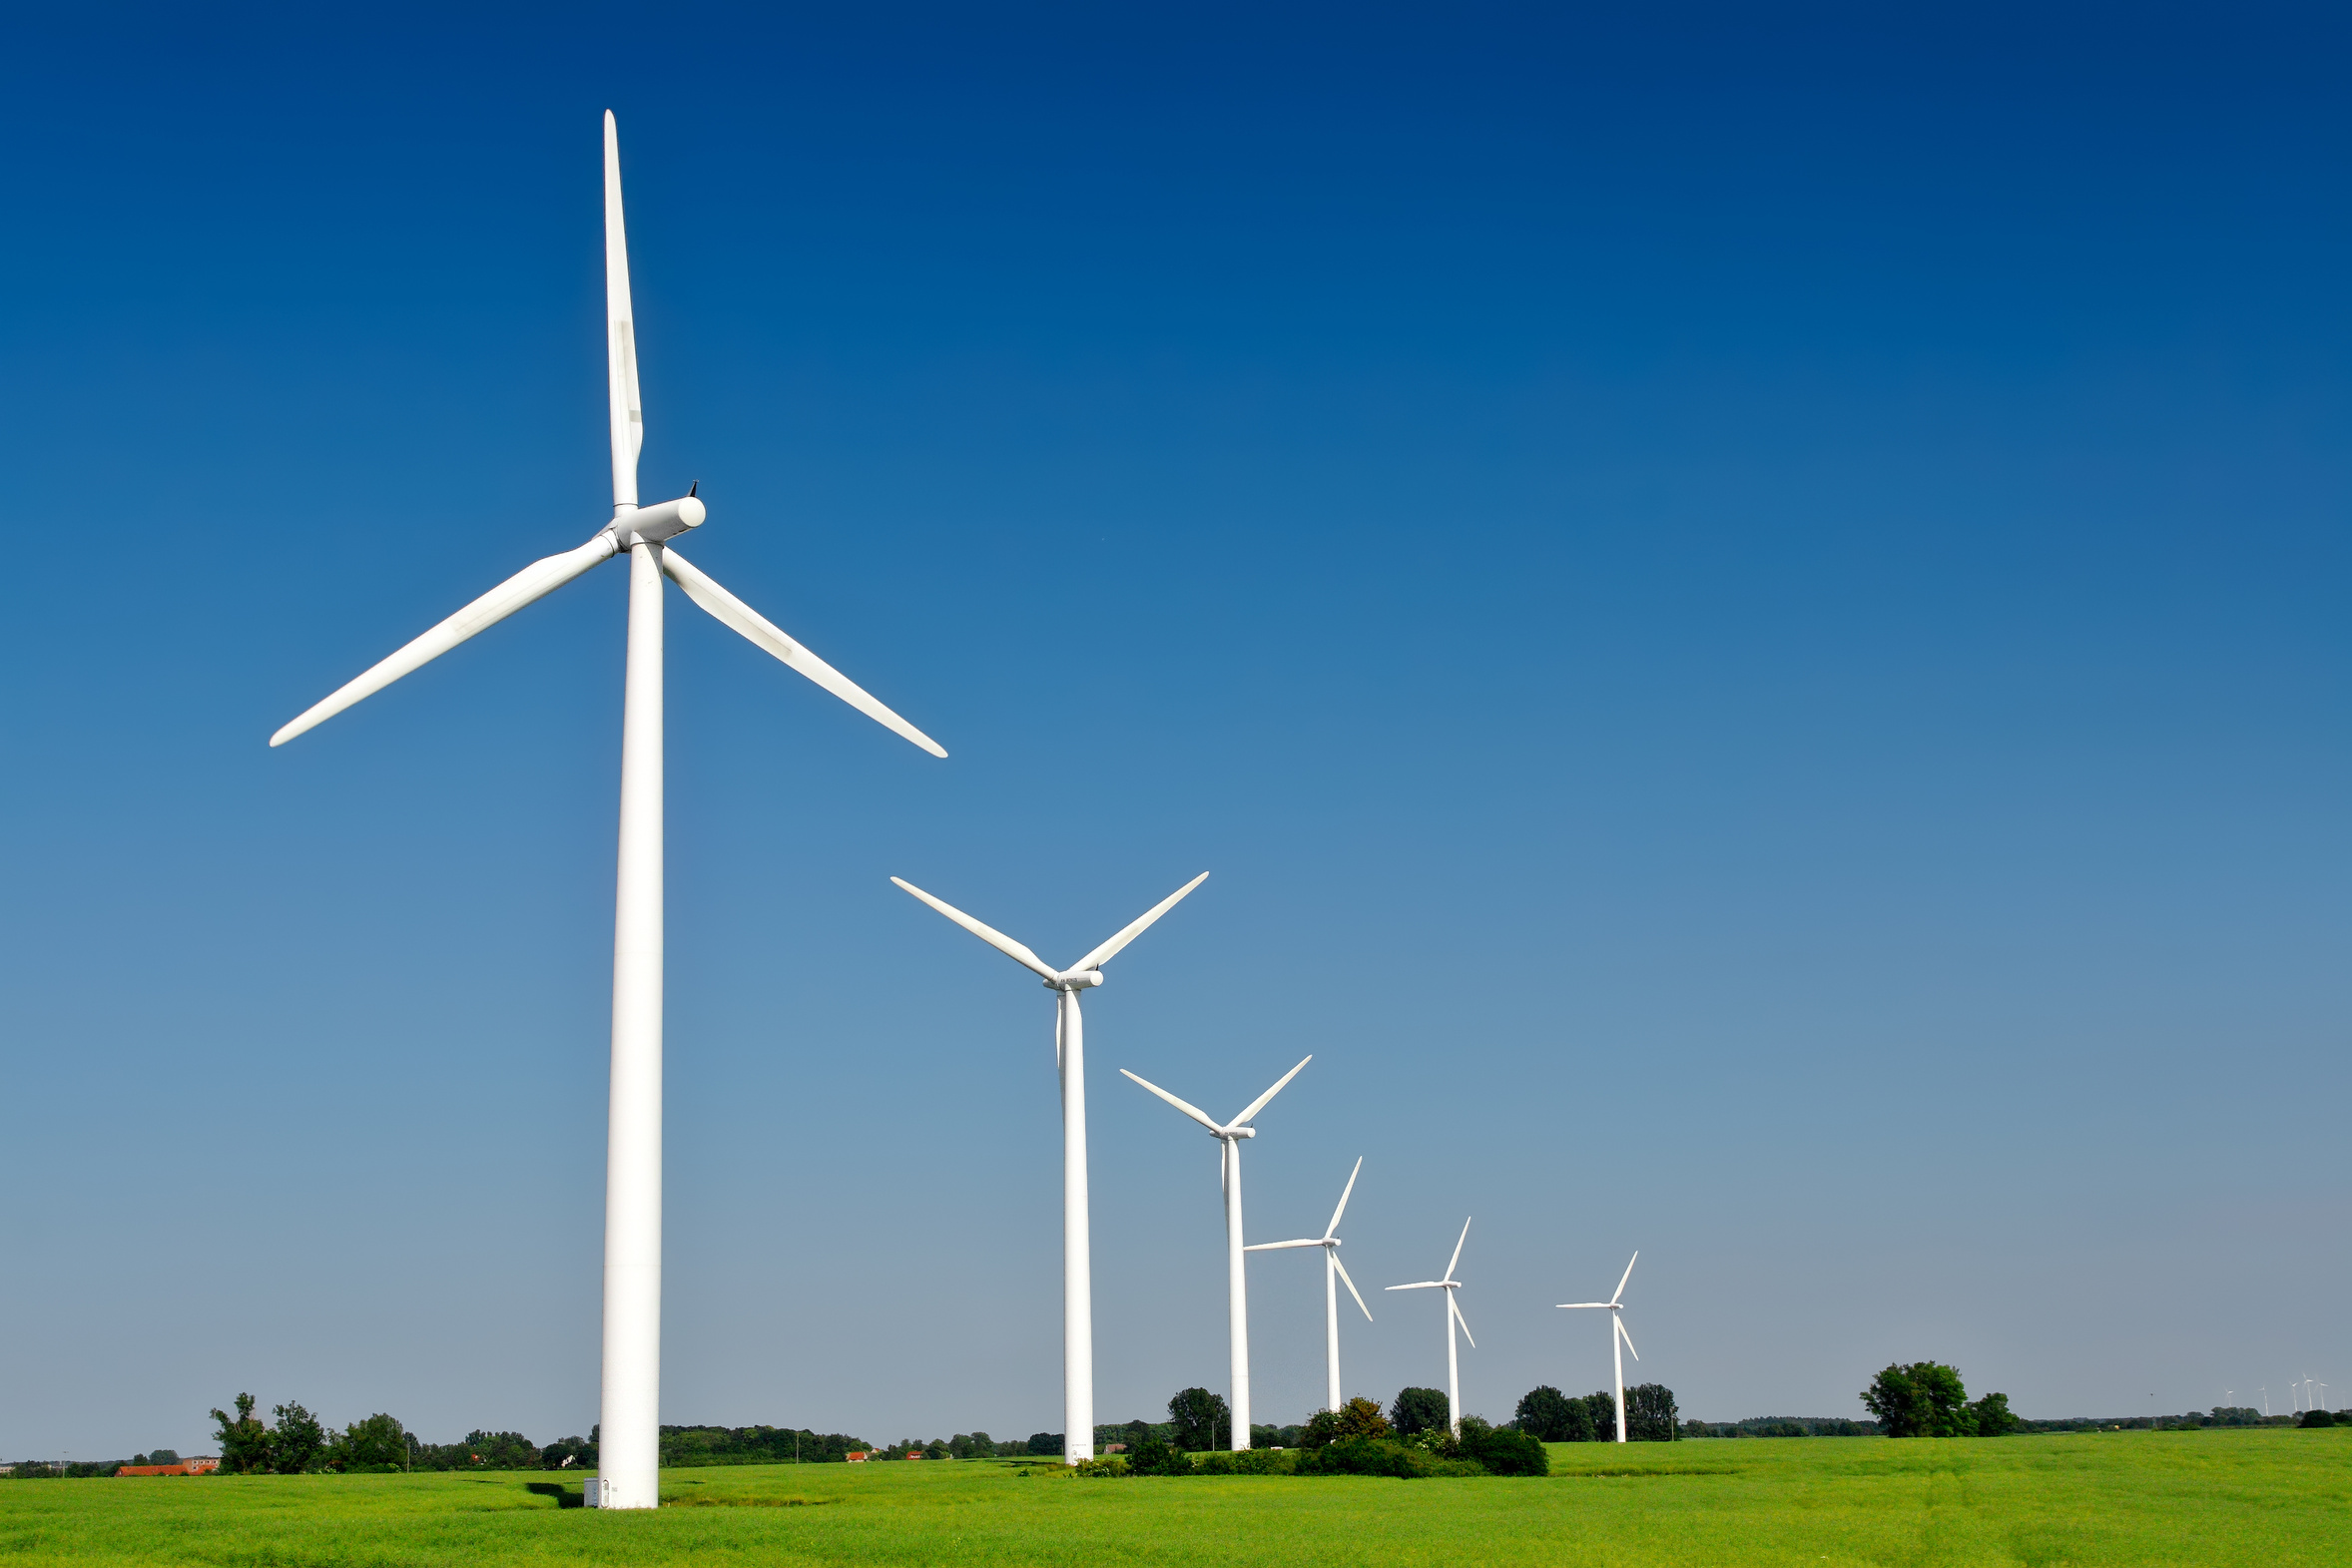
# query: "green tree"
{"points": [[243, 1440], [1045, 1442], [1649, 1414], [1551, 1416], [1202, 1419], [1419, 1411], [1359, 1418], [376, 1443], [1922, 1400], [297, 1442], [1994, 1417]]}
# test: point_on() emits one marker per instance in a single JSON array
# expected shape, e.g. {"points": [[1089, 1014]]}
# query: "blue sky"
{"points": [[1746, 608]]}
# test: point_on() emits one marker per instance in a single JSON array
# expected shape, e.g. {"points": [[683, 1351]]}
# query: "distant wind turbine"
{"points": [[629, 1454], [1237, 1292], [1070, 1056], [1454, 1316], [1616, 1307], [1333, 1273]]}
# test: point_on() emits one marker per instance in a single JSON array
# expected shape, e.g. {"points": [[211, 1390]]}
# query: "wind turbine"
{"points": [[629, 1454], [1070, 1056], [1616, 1307], [1333, 1273], [1236, 1290], [1449, 1285]]}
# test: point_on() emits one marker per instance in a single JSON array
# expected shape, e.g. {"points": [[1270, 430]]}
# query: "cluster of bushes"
{"points": [[1927, 1399], [1413, 1440]]}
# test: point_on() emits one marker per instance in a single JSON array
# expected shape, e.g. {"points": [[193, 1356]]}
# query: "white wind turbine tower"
{"points": [[1333, 1273], [1070, 1056], [1616, 1307], [1454, 1316], [629, 1454], [1237, 1292]]}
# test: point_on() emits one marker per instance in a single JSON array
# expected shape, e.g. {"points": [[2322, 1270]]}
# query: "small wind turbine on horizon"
{"points": [[629, 1454], [1069, 1058], [1236, 1290], [1454, 1316], [1333, 1273], [1616, 1307]]}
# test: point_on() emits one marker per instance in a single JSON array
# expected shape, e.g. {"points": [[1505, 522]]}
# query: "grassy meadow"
{"points": [[2254, 1497]]}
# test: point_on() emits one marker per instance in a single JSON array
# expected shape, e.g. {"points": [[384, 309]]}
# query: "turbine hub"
{"points": [[653, 524]]}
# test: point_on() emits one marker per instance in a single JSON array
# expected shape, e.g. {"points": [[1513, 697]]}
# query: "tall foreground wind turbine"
{"points": [[1454, 1316], [1616, 1307], [1237, 1290], [1069, 1055], [1333, 1272], [630, 1448]]}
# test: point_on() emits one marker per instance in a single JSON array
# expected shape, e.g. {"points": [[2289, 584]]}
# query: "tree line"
{"points": [[297, 1442]]}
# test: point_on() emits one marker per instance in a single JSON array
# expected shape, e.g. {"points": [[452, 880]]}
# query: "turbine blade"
{"points": [[1274, 1247], [1189, 1109], [1572, 1306], [734, 613], [1103, 954], [1628, 1338], [1457, 1257], [620, 331], [1332, 1229], [1464, 1321], [1629, 1262], [1418, 1285], [1259, 1103], [987, 933], [540, 578], [1350, 1285]]}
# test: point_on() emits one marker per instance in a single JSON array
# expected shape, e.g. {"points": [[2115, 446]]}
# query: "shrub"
{"points": [[2317, 1418], [1106, 1467], [1045, 1442], [1379, 1456], [1249, 1461], [1155, 1455], [1502, 1450]]}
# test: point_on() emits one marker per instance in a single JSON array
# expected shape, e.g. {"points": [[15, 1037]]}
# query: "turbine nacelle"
{"points": [[1075, 980], [653, 524]]}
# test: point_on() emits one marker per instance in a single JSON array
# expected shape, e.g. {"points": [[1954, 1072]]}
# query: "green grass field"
{"points": [[2261, 1496]]}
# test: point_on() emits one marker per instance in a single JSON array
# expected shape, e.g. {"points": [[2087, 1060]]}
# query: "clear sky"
{"points": [[1747, 609]]}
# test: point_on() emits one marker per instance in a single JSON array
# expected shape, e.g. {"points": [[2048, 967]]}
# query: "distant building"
{"points": [[860, 1458], [203, 1464]]}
